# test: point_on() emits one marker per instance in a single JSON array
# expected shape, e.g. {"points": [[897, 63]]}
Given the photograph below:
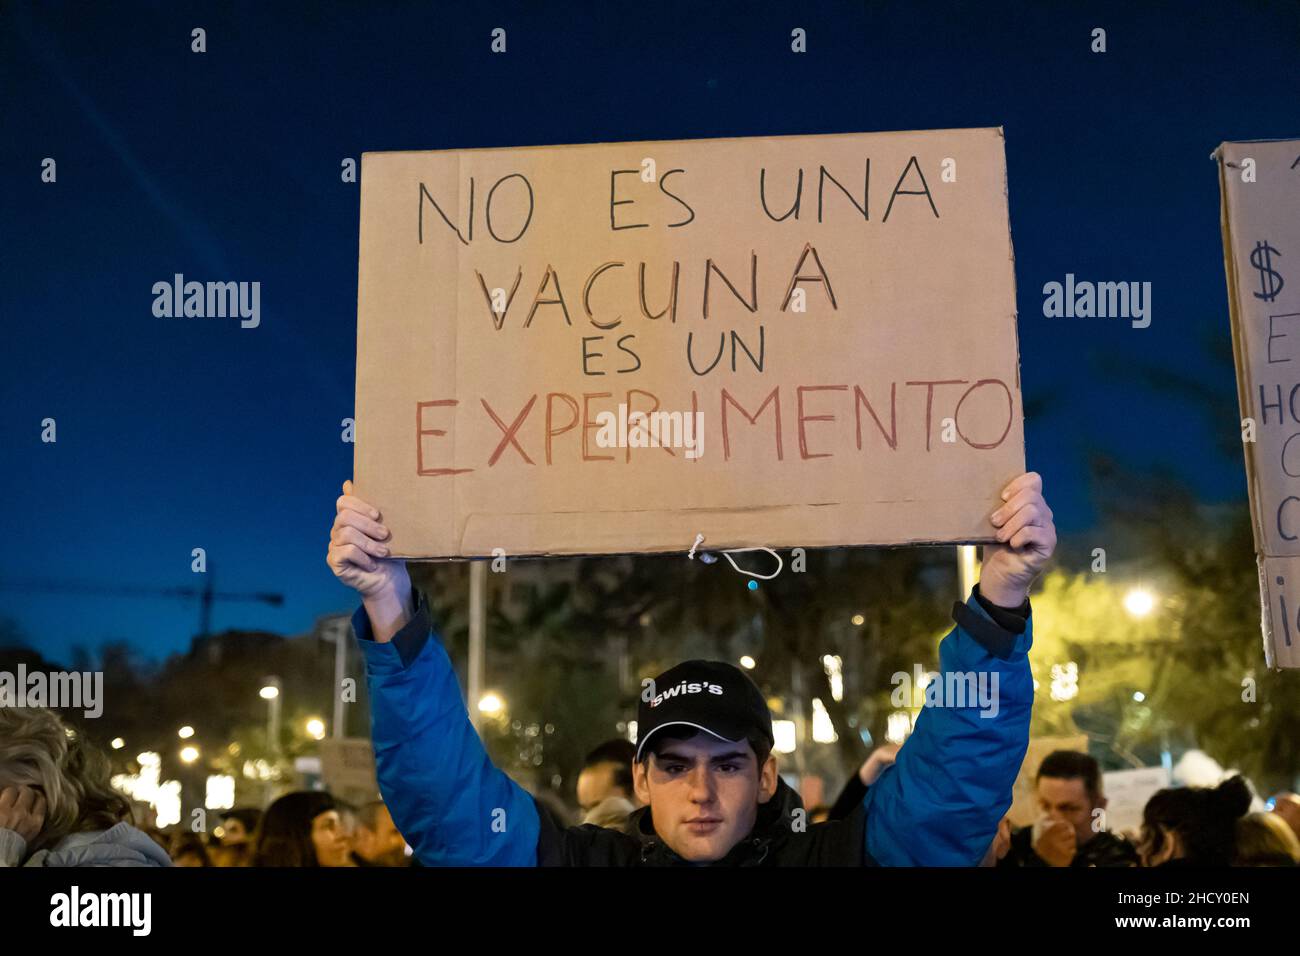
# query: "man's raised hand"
{"points": [[1026, 539], [359, 557]]}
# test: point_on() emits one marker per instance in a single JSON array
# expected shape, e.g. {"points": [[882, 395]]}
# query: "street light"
{"points": [[118, 743], [270, 693], [748, 663], [1139, 602], [186, 732], [316, 728], [491, 704], [189, 754]]}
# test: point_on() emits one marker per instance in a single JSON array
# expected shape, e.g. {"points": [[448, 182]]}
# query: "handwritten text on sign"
{"points": [[613, 347], [1260, 198]]}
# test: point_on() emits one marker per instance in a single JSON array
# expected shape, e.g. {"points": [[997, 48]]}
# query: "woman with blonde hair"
{"points": [[1264, 839], [56, 805]]}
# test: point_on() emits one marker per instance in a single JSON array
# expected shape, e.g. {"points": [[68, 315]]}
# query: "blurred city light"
{"points": [[748, 663], [1139, 696], [784, 733], [189, 754], [220, 792], [823, 730], [898, 726], [269, 692], [118, 743], [259, 769], [168, 803], [491, 704], [164, 797], [186, 732], [316, 728], [142, 785], [1065, 681], [835, 673], [858, 620], [1139, 602]]}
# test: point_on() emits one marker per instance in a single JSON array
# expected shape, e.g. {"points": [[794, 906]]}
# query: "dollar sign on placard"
{"points": [[1270, 280]]}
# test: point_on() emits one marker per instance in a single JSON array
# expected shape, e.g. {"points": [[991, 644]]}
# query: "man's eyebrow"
{"points": [[667, 755], [670, 755], [730, 757]]}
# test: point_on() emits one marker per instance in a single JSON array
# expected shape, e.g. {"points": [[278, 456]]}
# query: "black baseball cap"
{"points": [[711, 696]]}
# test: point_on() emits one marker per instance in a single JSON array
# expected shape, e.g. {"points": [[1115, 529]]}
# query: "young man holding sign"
{"points": [[703, 765]]}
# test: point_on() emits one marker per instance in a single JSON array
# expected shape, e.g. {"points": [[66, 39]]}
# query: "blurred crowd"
{"points": [[304, 828], [57, 808]]}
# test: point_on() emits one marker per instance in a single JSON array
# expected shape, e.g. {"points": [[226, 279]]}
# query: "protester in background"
{"points": [[855, 788], [237, 829], [1001, 845], [347, 821], [188, 849], [239, 825], [376, 841], [607, 772], [1193, 826], [302, 829], [1070, 831], [56, 805], [605, 792], [1287, 806], [1264, 839], [612, 812]]}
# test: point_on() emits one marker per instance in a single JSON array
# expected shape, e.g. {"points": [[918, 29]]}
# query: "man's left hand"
{"points": [[1026, 539]]}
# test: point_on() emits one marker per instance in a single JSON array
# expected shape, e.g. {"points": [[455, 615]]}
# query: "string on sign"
{"points": [[707, 558]]}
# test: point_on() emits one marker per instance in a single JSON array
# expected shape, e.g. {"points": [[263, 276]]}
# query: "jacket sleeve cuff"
{"points": [[995, 628], [398, 653]]}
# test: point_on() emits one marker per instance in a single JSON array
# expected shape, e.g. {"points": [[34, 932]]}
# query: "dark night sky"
{"points": [[182, 434]]}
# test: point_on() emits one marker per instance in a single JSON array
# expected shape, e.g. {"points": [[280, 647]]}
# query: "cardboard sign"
{"points": [[348, 769], [1127, 793], [616, 347], [1260, 211]]}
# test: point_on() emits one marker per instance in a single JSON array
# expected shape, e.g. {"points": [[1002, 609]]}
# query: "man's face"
{"points": [[384, 845], [1066, 799], [704, 794], [233, 832], [595, 783]]}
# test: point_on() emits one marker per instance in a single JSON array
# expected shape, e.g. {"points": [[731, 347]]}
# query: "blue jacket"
{"points": [[938, 805]]}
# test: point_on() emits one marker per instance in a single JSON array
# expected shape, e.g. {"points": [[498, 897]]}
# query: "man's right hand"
{"points": [[1056, 843], [358, 556]]}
